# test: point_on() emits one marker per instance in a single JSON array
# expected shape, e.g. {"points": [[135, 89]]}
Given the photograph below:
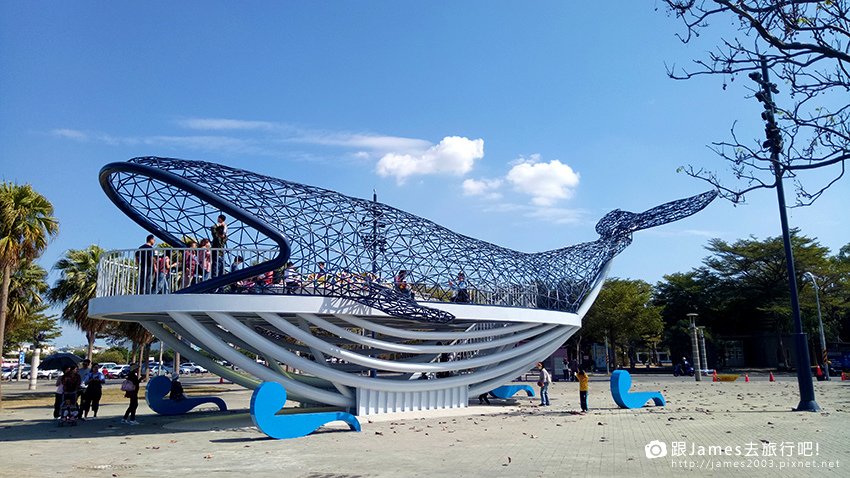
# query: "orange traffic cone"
{"points": [[843, 376], [220, 379], [818, 372], [714, 377], [746, 378], [772, 379]]}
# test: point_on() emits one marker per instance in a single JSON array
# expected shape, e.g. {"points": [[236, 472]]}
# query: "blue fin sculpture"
{"points": [[270, 397], [621, 382], [508, 391], [160, 386]]}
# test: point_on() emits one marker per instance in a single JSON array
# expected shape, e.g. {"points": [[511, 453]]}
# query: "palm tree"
{"points": [[25, 302], [26, 226], [75, 287]]}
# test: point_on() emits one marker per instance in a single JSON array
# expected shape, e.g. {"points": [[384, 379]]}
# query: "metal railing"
{"points": [[162, 270]]}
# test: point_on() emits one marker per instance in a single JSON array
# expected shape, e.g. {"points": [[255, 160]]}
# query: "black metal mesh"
{"points": [[364, 243]]}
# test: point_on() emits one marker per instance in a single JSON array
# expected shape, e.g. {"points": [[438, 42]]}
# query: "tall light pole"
{"points": [[702, 352], [824, 355], [695, 346], [774, 144]]}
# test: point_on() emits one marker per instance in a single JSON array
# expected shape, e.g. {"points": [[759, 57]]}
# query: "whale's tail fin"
{"points": [[619, 223]]}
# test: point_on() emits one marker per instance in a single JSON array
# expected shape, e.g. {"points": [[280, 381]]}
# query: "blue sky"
{"points": [[518, 123]]}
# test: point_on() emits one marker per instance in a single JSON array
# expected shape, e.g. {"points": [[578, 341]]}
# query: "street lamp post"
{"points": [[702, 352], [774, 144], [695, 346], [825, 356]]}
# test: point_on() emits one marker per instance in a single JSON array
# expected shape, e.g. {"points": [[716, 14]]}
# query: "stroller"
{"points": [[69, 412]]}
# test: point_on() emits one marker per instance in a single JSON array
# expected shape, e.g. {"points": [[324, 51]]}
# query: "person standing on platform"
{"points": [[219, 242], [543, 382], [144, 261]]}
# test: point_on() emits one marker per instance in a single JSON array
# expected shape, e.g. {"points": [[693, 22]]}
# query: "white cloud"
{"points": [[482, 187], [226, 124], [546, 183], [378, 143], [558, 215], [67, 133], [454, 155]]}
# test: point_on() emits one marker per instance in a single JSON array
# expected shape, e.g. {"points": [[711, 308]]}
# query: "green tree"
{"points": [[25, 317], [26, 226], [623, 313], [742, 291], [76, 285], [112, 354]]}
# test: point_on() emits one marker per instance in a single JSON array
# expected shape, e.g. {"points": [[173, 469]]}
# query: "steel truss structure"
{"points": [[363, 243], [356, 339]]}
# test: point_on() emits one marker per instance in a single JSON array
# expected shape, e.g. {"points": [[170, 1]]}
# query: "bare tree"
{"points": [[806, 45]]}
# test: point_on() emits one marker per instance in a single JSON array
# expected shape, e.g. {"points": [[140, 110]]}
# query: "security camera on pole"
{"points": [[774, 145]]}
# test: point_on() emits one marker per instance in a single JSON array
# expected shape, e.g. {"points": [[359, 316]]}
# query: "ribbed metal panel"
{"points": [[374, 402]]}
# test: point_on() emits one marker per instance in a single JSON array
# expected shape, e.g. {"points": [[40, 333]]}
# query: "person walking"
{"points": [[131, 391], [543, 382], [583, 389], [93, 381]]}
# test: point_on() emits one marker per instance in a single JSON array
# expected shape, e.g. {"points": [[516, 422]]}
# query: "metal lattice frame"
{"points": [[364, 243]]}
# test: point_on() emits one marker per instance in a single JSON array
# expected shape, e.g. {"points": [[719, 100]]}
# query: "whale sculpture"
{"points": [[355, 340], [362, 243]]}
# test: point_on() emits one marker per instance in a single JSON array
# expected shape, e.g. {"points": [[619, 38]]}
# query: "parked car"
{"points": [[105, 366], [115, 371], [49, 373], [25, 371], [166, 370], [125, 370], [191, 367], [7, 373]]}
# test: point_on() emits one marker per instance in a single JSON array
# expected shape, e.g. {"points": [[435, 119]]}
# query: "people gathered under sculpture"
{"points": [[400, 284], [144, 262], [205, 260], [459, 288]]}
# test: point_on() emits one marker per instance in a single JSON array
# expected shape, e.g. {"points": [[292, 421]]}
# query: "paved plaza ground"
{"points": [[751, 423]]}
